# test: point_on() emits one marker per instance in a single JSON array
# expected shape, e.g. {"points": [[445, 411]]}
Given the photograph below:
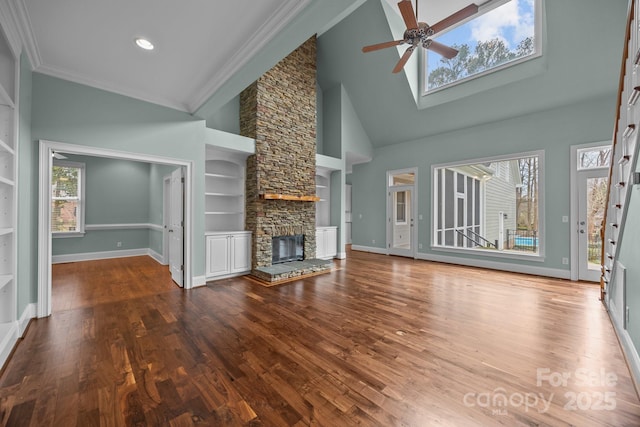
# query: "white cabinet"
{"points": [[326, 242], [9, 72], [227, 254]]}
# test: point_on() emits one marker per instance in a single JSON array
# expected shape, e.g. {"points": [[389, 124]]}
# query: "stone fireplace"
{"points": [[279, 112]]}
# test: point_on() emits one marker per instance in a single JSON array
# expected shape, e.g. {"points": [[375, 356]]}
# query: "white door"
{"points": [[592, 191], [400, 221], [176, 261]]}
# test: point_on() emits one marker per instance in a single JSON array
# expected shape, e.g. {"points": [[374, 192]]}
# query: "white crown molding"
{"points": [[9, 24], [25, 30], [109, 87], [278, 20]]}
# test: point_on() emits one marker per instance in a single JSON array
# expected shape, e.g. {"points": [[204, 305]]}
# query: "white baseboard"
{"points": [[371, 249], [198, 281], [341, 255], [495, 265], [91, 256], [155, 255], [29, 313]]}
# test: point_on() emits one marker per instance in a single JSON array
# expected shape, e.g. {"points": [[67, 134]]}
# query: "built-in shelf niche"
{"points": [[323, 205], [224, 189]]}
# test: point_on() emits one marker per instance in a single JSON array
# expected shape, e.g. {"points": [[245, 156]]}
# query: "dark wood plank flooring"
{"points": [[381, 341]]}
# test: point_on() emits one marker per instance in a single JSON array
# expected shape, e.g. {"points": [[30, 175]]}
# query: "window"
{"points": [[489, 205], [503, 32], [401, 207], [594, 157], [67, 198]]}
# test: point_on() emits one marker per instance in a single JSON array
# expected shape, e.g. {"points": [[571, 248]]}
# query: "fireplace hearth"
{"points": [[287, 248]]}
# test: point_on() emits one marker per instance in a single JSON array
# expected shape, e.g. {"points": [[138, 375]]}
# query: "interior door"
{"points": [[592, 190], [176, 256], [400, 221]]}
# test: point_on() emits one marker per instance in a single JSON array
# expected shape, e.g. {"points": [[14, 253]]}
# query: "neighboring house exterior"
{"points": [[500, 200]]}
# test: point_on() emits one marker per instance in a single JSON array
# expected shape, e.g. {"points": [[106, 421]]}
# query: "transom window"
{"points": [[594, 158], [503, 32], [67, 198], [490, 205]]}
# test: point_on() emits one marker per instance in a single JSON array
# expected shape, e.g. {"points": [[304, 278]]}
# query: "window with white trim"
{"points": [[489, 204], [503, 33], [401, 207], [67, 198]]}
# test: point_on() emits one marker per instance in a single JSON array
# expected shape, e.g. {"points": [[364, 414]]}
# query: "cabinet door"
{"points": [[320, 244], [240, 253], [331, 242], [217, 253]]}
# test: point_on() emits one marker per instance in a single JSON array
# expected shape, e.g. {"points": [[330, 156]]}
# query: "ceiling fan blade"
{"points": [[405, 57], [444, 50], [409, 16], [460, 15], [384, 45]]}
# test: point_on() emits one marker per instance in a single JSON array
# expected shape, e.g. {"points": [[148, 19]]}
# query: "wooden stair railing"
{"points": [[614, 142]]}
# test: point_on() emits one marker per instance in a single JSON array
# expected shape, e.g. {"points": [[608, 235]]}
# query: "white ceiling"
{"points": [[432, 11], [199, 43]]}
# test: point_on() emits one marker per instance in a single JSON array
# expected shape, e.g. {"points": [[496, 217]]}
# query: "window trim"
{"points": [[483, 9], [80, 232], [540, 256]]}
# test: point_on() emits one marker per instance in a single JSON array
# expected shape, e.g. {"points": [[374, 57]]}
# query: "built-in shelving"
{"points": [[224, 191], [9, 72], [323, 203]]}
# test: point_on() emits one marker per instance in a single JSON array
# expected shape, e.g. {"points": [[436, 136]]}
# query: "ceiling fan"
{"points": [[418, 33]]}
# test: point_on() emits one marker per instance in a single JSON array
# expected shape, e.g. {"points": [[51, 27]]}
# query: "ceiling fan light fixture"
{"points": [[143, 43]]}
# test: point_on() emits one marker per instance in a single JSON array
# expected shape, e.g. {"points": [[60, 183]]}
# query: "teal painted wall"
{"points": [[27, 283], [118, 192], [554, 131], [102, 241], [227, 118], [72, 113]]}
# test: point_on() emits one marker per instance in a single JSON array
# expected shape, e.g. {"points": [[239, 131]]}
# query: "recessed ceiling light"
{"points": [[144, 43]]}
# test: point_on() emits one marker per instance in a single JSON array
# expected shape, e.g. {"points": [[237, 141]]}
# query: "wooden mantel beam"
{"points": [[271, 196]]}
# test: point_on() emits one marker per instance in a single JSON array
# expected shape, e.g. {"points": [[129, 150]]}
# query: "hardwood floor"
{"points": [[380, 341]]}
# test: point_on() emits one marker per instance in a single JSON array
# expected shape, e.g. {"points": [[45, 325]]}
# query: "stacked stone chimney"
{"points": [[279, 112]]}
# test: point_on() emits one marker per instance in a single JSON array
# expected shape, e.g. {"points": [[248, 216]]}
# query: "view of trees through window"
{"points": [[65, 199], [490, 205], [497, 37]]}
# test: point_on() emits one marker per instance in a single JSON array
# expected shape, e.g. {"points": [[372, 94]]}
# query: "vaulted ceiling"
{"points": [[577, 64], [207, 52], [199, 44]]}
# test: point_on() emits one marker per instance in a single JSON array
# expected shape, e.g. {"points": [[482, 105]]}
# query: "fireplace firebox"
{"points": [[287, 248]]}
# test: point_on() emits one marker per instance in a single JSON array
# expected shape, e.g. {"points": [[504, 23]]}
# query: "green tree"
{"points": [[451, 69], [485, 55], [489, 54]]}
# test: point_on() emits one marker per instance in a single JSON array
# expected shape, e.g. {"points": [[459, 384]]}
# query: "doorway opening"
{"points": [[589, 184], [401, 212], [45, 246]]}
